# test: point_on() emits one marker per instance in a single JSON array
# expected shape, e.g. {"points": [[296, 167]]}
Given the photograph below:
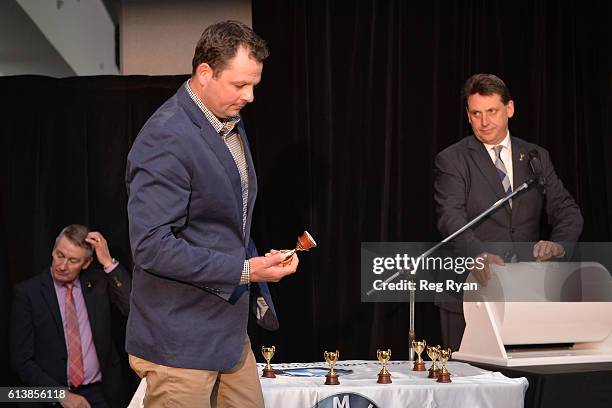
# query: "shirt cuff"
{"points": [[562, 254], [245, 278], [111, 268]]}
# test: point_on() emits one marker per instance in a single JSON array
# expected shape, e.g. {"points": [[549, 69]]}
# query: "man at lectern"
{"points": [[480, 169]]}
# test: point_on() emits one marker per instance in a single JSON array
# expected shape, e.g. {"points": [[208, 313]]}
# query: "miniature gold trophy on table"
{"points": [[419, 346], [304, 243], [433, 352], [332, 358], [268, 353], [384, 377], [444, 376]]}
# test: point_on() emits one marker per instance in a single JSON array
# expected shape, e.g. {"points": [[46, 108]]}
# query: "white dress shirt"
{"points": [[506, 156]]}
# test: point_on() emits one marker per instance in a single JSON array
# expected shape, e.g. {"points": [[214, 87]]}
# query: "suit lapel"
{"points": [[47, 290], [252, 180], [87, 289], [520, 170], [216, 144], [484, 163]]}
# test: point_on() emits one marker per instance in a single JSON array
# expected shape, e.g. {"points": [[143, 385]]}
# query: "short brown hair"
{"points": [[486, 84], [76, 234], [219, 43]]}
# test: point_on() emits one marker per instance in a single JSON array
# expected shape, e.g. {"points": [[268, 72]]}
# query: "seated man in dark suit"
{"points": [[480, 169], [61, 322]]}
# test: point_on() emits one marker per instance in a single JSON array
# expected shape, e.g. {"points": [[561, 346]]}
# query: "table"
{"points": [[564, 385], [472, 387]]}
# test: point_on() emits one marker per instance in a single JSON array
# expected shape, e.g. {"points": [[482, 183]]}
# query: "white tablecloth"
{"points": [[472, 387]]}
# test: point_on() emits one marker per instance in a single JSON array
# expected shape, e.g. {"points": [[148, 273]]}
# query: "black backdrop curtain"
{"points": [[356, 100], [64, 144]]}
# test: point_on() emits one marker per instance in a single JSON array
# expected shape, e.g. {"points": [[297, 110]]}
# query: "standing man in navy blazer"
{"points": [[61, 322], [192, 186], [477, 171]]}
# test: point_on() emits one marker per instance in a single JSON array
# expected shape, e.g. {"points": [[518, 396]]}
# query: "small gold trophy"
{"points": [[444, 376], [384, 377], [304, 243], [433, 352], [268, 353], [419, 346], [331, 357]]}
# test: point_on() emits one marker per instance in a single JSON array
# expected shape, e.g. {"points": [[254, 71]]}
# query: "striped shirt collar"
{"points": [[505, 143], [223, 126]]}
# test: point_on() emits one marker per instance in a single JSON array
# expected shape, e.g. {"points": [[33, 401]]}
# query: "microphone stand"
{"points": [[411, 336], [425, 254]]}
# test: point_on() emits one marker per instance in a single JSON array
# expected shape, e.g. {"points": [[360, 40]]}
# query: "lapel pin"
{"points": [[522, 156], [89, 285]]}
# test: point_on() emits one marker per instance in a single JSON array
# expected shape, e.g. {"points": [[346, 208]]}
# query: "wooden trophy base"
{"points": [[433, 373], [384, 378], [268, 373], [419, 366], [444, 377], [332, 379]]}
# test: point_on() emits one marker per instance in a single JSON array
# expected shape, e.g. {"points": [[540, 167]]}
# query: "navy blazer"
{"points": [[37, 342], [188, 246]]}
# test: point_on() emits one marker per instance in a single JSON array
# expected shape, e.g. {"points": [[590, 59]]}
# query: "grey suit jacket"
{"points": [[185, 222], [467, 183]]}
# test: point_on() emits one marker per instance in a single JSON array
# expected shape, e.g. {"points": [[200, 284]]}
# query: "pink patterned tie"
{"points": [[75, 356]]}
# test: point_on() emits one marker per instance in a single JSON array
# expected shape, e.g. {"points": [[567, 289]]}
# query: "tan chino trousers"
{"points": [[191, 388]]}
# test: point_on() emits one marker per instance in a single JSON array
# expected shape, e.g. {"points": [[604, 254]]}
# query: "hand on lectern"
{"points": [[483, 275], [544, 250]]}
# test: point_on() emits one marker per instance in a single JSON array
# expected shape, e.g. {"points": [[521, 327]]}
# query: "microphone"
{"points": [[536, 169]]}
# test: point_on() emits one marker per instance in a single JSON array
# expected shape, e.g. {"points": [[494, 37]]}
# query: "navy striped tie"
{"points": [[501, 171]]}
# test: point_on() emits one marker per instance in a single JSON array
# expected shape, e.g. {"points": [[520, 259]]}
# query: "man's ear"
{"points": [[203, 73], [510, 108]]}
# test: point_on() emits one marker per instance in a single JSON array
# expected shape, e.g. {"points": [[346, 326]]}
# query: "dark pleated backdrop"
{"points": [[356, 100]]}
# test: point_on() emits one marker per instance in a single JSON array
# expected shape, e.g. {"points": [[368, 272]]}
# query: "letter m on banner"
{"points": [[346, 402]]}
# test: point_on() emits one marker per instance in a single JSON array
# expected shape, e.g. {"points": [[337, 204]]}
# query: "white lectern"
{"points": [[496, 323]]}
